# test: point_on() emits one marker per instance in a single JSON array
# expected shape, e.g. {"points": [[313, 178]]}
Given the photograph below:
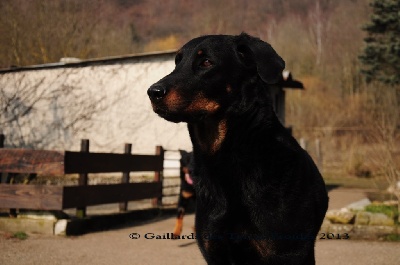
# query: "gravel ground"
{"points": [[116, 247]]}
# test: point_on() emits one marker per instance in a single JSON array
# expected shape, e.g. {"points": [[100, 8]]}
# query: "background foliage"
{"points": [[381, 55]]}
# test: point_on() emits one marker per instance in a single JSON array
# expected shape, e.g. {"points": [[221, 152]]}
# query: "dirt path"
{"points": [[339, 198], [116, 247]]}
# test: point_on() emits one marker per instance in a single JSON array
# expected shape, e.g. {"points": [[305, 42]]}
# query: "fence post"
{"points": [[2, 139], [158, 176], [83, 178], [123, 206]]}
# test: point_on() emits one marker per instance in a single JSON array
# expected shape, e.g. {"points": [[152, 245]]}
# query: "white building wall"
{"points": [[117, 94]]}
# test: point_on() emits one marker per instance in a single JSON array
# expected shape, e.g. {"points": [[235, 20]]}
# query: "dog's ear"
{"points": [[255, 52]]}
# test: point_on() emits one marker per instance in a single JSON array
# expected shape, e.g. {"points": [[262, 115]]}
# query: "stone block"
{"points": [[380, 219], [325, 226], [340, 228], [38, 226], [340, 216], [60, 227], [362, 218]]}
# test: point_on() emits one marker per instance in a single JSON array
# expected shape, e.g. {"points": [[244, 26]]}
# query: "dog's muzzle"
{"points": [[156, 92]]}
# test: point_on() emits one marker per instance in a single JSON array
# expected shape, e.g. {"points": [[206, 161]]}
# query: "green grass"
{"points": [[20, 235], [391, 211], [393, 238]]}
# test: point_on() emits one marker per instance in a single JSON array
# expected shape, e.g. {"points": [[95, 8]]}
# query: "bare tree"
{"points": [[382, 113], [40, 111], [37, 31], [318, 23]]}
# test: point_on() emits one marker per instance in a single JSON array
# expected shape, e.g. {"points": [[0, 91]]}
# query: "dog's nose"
{"points": [[156, 92]]}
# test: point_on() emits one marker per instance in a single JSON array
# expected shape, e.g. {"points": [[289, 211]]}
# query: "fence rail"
{"points": [[50, 197], [49, 163], [54, 163]]}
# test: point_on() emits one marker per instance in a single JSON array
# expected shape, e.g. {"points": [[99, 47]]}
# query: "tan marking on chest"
{"points": [[210, 137], [220, 136]]}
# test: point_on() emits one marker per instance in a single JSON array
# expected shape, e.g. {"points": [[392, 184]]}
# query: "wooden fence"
{"points": [[54, 163]]}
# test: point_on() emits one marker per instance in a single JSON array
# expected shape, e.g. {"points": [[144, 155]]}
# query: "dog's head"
{"points": [[209, 74]]}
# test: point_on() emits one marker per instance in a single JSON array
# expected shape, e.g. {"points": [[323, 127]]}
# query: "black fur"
{"points": [[260, 197]]}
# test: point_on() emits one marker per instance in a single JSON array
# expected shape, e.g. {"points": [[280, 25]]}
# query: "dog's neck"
{"points": [[208, 134]]}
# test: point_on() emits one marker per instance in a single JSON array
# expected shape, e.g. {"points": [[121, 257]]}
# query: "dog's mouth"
{"points": [[176, 117], [166, 114]]}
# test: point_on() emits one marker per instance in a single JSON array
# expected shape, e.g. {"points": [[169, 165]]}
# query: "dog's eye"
{"points": [[206, 63]]}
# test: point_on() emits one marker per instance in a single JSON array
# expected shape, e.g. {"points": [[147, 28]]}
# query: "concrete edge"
{"points": [[75, 226], [34, 226]]}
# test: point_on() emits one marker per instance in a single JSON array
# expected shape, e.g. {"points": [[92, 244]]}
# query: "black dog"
{"points": [[260, 197]]}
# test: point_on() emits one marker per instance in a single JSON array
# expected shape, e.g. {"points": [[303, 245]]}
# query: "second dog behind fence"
{"points": [[186, 192]]}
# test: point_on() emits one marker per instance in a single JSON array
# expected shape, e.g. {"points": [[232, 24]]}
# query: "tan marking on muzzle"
{"points": [[201, 103], [173, 100]]}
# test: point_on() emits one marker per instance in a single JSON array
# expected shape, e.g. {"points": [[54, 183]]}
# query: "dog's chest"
{"points": [[233, 185]]}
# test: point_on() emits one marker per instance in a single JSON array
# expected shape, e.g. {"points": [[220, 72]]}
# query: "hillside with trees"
{"points": [[322, 42], [43, 31]]}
